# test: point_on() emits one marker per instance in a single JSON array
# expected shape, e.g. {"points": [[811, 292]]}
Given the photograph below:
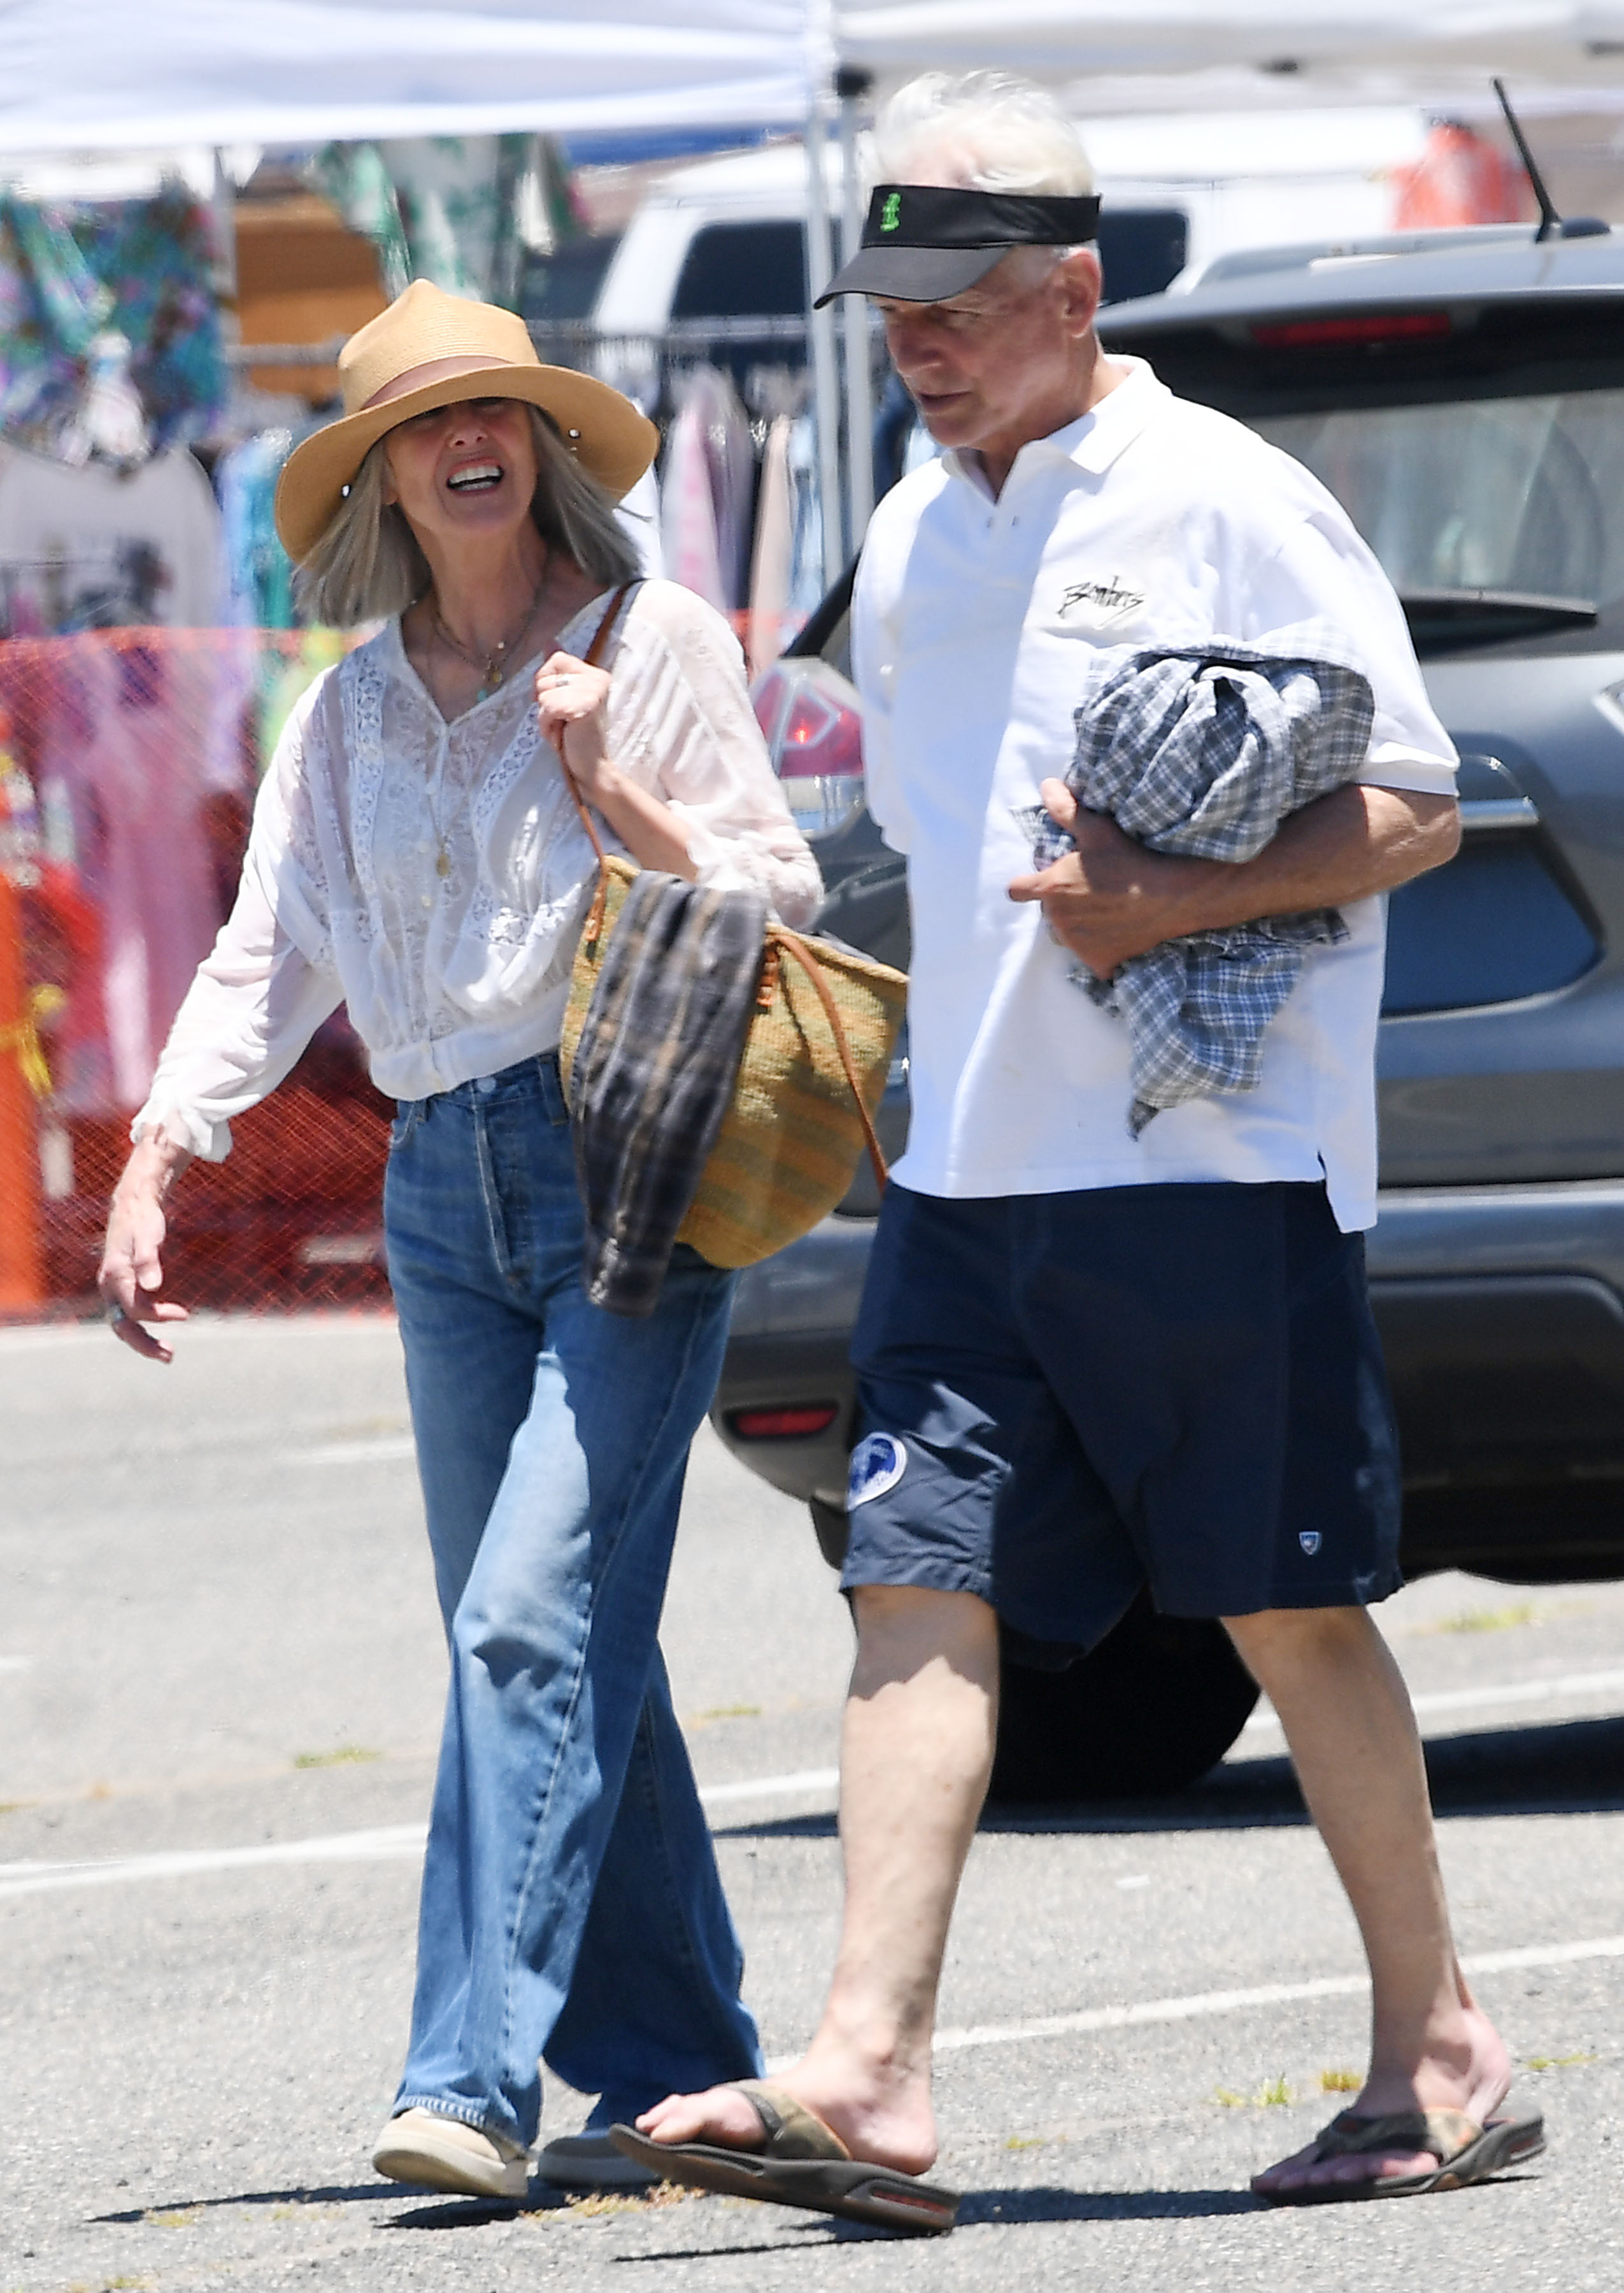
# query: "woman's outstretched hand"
{"points": [[573, 702], [131, 1269]]}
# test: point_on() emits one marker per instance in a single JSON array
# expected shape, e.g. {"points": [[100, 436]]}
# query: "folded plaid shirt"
{"points": [[1204, 749], [654, 1073]]}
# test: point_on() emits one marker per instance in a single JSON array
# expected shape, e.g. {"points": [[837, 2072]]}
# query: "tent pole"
{"points": [[852, 85], [820, 331]]}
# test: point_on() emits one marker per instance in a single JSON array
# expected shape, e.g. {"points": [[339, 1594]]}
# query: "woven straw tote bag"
{"points": [[815, 1060]]}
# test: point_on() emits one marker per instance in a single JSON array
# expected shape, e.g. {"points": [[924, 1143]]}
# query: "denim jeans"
{"points": [[571, 1906]]}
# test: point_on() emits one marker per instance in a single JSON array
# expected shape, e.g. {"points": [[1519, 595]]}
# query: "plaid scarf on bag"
{"points": [[654, 1073], [1204, 749]]}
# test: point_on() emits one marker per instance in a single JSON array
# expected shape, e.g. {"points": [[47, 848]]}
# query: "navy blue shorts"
{"points": [[1065, 1397]]}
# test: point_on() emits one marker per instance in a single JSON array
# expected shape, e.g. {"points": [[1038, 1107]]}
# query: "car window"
{"points": [[564, 284], [1514, 494], [1141, 250], [743, 270]]}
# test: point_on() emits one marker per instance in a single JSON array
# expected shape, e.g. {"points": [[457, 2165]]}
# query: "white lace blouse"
{"points": [[434, 876]]}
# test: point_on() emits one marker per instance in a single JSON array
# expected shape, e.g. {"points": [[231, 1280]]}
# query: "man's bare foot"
{"points": [[884, 2117], [1473, 2076]]}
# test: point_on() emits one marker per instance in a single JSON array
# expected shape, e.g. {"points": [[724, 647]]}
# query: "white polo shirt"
{"points": [[1148, 521]]}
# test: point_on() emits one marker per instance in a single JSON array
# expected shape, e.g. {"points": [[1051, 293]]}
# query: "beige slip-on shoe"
{"points": [[437, 2152]]}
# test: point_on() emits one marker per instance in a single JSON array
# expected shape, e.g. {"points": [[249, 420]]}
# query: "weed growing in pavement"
{"points": [[1558, 2062], [347, 1755], [1340, 2081], [600, 2203], [1274, 2094], [181, 2217], [1489, 1620], [728, 1712], [1025, 2142]]}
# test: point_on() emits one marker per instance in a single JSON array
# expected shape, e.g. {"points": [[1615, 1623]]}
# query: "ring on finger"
{"points": [[114, 1315]]}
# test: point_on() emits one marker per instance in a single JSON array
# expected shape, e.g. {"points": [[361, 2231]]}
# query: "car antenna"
{"points": [[1550, 221]]}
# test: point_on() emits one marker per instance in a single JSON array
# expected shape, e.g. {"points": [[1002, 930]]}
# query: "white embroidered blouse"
{"points": [[434, 876]]}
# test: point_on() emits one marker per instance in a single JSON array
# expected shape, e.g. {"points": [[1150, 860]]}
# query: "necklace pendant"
{"points": [[442, 865]]}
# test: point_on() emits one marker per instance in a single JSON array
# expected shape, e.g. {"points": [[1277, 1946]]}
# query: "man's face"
{"points": [[997, 360]]}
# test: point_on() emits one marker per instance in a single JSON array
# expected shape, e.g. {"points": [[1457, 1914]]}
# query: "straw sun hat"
{"points": [[431, 349]]}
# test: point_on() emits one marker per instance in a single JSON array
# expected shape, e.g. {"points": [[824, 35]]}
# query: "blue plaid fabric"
{"points": [[1203, 750]]}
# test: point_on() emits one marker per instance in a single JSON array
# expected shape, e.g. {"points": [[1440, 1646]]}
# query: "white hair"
{"points": [[979, 131]]}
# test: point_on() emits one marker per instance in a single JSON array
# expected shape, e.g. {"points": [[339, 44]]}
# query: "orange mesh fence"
{"points": [[128, 763]]}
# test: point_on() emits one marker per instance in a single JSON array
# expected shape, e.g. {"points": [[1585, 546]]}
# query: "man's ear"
{"points": [[1080, 281]]}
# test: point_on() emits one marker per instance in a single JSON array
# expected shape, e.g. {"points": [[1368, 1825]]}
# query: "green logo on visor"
{"points": [[890, 214]]}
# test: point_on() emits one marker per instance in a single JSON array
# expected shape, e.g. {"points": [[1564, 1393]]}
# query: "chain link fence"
{"points": [[129, 760]]}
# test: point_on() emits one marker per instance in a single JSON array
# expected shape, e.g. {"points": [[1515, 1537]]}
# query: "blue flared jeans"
{"points": [[571, 1906]]}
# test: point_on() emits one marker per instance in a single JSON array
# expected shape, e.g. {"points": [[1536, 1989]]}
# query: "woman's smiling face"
{"points": [[463, 470]]}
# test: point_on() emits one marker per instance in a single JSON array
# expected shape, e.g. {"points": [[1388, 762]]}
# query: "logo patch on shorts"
{"points": [[878, 1463], [1310, 1542]]}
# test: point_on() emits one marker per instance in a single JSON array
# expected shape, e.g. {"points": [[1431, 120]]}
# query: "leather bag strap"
{"points": [[595, 653], [797, 947]]}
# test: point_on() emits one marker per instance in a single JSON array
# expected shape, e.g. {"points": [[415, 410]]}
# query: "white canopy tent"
{"points": [[106, 74], [1410, 46], [112, 76]]}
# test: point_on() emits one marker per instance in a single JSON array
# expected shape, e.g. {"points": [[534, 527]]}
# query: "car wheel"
{"points": [[1158, 1703]]}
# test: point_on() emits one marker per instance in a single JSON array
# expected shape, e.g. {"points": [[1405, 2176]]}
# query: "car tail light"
{"points": [[783, 1425], [1366, 326], [812, 721]]}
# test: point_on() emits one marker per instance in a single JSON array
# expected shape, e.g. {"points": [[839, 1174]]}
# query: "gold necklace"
{"points": [[492, 667]]}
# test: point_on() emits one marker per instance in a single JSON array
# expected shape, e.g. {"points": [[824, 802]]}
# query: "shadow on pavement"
{"points": [[337, 2195], [992, 2209], [1013, 2207], [1567, 1767]]}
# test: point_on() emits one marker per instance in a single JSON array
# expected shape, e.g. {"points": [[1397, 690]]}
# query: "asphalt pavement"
{"points": [[220, 1681]]}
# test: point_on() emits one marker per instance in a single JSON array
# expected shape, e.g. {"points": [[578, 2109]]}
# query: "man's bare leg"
{"points": [[916, 1754], [1348, 1723]]}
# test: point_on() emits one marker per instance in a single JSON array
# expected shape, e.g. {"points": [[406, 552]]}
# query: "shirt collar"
{"points": [[1094, 440]]}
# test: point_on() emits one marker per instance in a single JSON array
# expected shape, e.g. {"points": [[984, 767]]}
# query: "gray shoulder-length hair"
{"points": [[367, 565]]}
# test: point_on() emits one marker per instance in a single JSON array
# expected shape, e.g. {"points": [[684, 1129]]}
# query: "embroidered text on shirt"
{"points": [[1111, 596]]}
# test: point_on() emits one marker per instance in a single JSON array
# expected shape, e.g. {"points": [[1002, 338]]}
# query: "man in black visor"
{"points": [[1092, 1356]]}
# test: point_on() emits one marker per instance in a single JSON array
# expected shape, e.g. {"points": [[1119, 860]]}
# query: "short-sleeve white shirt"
{"points": [[1148, 521]]}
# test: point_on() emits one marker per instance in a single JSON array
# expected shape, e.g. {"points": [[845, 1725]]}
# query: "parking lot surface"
{"points": [[220, 1682]]}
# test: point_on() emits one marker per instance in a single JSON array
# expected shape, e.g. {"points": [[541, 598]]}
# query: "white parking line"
{"points": [[1264, 1993], [388, 1843], [1549, 1691], [380, 1450]]}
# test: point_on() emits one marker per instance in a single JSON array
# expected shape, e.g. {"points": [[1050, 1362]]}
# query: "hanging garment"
{"points": [[731, 456], [156, 260], [133, 739], [90, 549], [259, 573], [77, 280], [770, 568], [688, 515], [806, 577], [639, 518], [461, 210], [52, 309]]}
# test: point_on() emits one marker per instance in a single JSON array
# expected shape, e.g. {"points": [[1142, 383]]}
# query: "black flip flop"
{"points": [[802, 2163], [1466, 2152]]}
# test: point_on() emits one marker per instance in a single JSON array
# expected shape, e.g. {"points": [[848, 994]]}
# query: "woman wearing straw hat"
{"points": [[415, 853]]}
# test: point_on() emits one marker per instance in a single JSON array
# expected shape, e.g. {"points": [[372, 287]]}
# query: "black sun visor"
{"points": [[923, 243]]}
